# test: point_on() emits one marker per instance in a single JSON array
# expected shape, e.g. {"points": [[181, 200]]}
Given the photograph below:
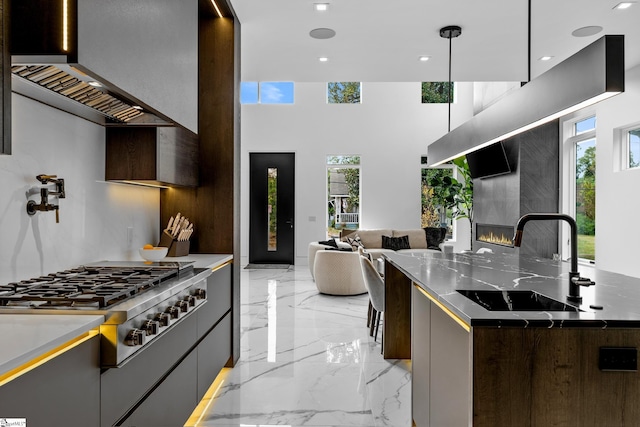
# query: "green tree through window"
{"points": [[584, 140], [343, 92], [436, 92], [586, 197]]}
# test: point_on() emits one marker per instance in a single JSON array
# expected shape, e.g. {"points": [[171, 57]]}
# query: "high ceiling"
{"points": [[378, 41]]}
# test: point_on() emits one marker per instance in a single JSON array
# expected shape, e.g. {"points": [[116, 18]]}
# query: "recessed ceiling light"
{"points": [[545, 58], [323, 59], [322, 33], [137, 107], [321, 7], [587, 31], [95, 84], [624, 5], [423, 58]]}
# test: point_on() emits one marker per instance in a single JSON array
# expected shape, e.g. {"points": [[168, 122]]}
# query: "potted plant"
{"points": [[454, 194]]}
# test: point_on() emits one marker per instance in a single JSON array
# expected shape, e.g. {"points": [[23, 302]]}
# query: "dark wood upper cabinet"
{"points": [[166, 156], [5, 80]]}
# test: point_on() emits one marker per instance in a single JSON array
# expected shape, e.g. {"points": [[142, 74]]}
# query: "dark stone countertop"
{"points": [[441, 275]]}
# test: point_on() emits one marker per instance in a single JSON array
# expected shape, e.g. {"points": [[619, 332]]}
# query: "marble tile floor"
{"points": [[307, 360]]}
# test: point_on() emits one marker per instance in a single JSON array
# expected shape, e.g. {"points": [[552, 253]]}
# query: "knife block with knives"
{"points": [[176, 236]]}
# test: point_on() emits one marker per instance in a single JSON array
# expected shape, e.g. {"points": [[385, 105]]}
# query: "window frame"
{"points": [[342, 166], [259, 90], [360, 85], [455, 174], [570, 138], [621, 147], [454, 98], [628, 149]]}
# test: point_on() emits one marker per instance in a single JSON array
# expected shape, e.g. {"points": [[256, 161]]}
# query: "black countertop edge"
{"points": [[597, 324], [442, 275]]}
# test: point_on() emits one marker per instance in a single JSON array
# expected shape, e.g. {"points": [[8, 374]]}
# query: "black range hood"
{"points": [[112, 62]]}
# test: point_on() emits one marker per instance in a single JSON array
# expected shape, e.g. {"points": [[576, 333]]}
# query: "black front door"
{"points": [[271, 208]]}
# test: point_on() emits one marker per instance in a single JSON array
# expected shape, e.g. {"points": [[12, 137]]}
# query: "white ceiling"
{"points": [[381, 40]]}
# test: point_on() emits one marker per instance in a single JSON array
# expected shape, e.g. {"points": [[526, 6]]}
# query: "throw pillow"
{"points": [[435, 236], [330, 242], [339, 249], [395, 243], [355, 242], [344, 245]]}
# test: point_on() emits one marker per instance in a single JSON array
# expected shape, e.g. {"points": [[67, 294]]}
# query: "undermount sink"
{"points": [[516, 301]]}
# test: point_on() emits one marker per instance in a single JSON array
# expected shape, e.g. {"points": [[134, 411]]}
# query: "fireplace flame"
{"points": [[498, 239]]}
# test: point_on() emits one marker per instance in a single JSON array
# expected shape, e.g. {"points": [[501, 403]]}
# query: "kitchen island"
{"points": [[475, 362]]}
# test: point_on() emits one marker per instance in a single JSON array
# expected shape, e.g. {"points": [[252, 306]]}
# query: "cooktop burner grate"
{"points": [[83, 287]]}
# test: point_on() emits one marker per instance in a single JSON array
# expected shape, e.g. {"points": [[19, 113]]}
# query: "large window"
{"points": [[343, 193], [433, 213], [581, 166], [344, 93]]}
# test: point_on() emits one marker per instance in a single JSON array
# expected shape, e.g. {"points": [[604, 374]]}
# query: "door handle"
{"points": [[290, 222]]}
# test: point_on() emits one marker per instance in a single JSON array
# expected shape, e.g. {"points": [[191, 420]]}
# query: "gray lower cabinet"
{"points": [[213, 353], [163, 384], [215, 350], [172, 401], [127, 386], [440, 366], [218, 299], [65, 391]]}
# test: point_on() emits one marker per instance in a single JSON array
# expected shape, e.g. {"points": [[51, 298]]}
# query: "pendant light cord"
{"points": [[449, 87], [529, 44], [450, 32]]}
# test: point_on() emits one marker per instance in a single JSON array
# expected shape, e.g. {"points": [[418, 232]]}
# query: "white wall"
{"points": [[94, 216], [617, 192], [390, 130]]}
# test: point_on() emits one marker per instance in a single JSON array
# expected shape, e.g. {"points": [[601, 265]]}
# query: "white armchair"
{"points": [[338, 273]]}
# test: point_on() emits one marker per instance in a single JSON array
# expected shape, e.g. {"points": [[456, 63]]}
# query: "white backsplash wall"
{"points": [[95, 216]]}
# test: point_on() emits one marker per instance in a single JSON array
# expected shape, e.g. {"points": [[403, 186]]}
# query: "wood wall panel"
{"points": [[550, 377], [214, 207], [210, 206]]}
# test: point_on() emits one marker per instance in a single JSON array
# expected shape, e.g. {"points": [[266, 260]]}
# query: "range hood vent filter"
{"points": [[65, 84]]}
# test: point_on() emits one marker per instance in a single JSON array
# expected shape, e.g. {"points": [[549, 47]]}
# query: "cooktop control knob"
{"points": [[135, 337], [151, 327], [164, 319], [183, 306], [173, 311], [200, 294], [191, 300]]}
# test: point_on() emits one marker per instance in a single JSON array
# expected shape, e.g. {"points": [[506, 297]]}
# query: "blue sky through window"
{"points": [[276, 92], [266, 93], [585, 125], [249, 92]]}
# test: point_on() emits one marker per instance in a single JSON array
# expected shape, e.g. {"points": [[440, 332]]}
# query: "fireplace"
{"points": [[501, 235]]}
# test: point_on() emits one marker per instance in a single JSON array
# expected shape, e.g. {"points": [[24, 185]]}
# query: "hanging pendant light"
{"points": [[591, 75], [450, 32]]}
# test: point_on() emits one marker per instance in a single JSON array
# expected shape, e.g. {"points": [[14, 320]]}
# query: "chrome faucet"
{"points": [[44, 205], [575, 281]]}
